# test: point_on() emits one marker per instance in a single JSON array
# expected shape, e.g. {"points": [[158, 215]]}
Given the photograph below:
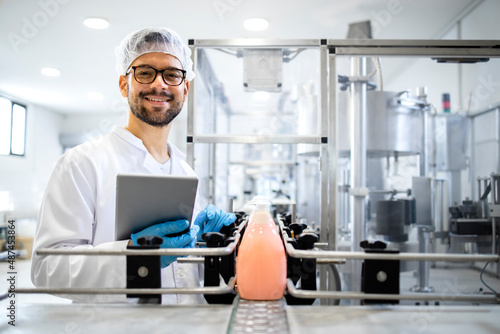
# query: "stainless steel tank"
{"points": [[394, 124]]}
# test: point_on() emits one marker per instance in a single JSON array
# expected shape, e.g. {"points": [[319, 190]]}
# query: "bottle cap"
{"points": [[259, 203]]}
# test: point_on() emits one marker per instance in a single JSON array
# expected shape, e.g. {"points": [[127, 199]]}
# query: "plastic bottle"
{"points": [[261, 260]]}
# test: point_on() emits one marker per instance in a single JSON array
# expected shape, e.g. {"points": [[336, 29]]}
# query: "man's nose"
{"points": [[159, 82]]}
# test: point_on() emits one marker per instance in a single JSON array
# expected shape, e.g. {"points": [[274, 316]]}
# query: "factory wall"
{"points": [[23, 179], [78, 128]]}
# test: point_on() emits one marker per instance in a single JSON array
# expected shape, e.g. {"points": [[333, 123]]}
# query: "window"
{"points": [[12, 127]]}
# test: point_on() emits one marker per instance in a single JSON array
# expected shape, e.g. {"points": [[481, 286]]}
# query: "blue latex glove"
{"points": [[187, 240], [212, 220]]}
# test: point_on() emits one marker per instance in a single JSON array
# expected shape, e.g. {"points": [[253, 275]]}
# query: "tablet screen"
{"points": [[143, 200]]}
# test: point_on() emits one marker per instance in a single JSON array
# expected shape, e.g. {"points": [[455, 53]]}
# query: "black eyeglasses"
{"points": [[146, 74]]}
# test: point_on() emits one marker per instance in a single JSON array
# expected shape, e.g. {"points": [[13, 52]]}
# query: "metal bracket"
{"points": [[359, 192], [495, 210]]}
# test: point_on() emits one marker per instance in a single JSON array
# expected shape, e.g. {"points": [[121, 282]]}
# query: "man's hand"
{"points": [[186, 240], [212, 220]]}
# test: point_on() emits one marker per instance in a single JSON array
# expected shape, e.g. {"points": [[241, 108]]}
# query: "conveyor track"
{"points": [[259, 317]]}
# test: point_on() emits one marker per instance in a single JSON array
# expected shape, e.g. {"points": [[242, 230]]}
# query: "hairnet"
{"points": [[153, 40]]}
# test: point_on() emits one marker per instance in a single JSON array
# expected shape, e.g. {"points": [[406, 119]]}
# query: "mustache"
{"points": [[154, 92]]}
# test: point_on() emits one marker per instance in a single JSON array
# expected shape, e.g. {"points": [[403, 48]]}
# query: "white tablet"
{"points": [[145, 200]]}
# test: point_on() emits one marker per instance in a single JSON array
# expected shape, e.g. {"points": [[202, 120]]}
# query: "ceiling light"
{"points": [[256, 24], [96, 23], [95, 96], [51, 72], [261, 96]]}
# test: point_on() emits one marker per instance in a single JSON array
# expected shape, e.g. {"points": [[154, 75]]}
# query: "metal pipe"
{"points": [[494, 200], [358, 161], [190, 112], [438, 208], [498, 138], [493, 235], [381, 256], [118, 291], [329, 156], [393, 191], [423, 266], [219, 251], [423, 155], [358, 146], [417, 296], [321, 254], [472, 172], [494, 195], [479, 189], [191, 260], [330, 261]]}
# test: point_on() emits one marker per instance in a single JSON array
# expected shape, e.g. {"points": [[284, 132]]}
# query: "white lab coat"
{"points": [[78, 211]]}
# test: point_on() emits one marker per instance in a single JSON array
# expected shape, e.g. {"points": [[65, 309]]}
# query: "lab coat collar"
{"points": [[149, 162], [129, 137]]}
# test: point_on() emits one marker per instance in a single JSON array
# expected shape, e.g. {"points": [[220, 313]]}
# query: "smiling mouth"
{"points": [[156, 99]]}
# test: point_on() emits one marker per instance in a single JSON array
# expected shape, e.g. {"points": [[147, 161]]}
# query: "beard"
{"points": [[155, 117]]}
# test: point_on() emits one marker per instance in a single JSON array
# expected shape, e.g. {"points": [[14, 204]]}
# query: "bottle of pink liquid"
{"points": [[261, 260]]}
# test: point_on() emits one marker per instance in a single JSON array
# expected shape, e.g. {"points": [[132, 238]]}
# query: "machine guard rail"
{"points": [[414, 296], [219, 251], [336, 255], [117, 291]]}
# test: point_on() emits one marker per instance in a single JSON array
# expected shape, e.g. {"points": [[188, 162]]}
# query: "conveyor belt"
{"points": [[268, 317], [258, 317]]}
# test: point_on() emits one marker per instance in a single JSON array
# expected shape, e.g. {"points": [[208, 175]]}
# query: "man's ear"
{"points": [[122, 83], [186, 90]]}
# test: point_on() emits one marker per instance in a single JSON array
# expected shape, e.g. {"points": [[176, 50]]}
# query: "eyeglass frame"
{"points": [[156, 74]]}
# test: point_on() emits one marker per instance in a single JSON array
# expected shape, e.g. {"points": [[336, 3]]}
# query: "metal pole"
{"points": [[424, 163], [494, 201], [472, 169], [423, 266], [425, 157], [328, 159], [358, 161], [190, 111], [498, 139]]}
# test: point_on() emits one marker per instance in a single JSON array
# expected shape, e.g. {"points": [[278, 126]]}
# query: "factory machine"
{"points": [[364, 178]]}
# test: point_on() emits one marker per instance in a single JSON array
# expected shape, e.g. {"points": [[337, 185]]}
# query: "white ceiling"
{"points": [[50, 33]]}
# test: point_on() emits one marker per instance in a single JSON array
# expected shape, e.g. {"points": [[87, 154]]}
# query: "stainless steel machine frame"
{"points": [[330, 50], [327, 157], [386, 48], [36, 316]]}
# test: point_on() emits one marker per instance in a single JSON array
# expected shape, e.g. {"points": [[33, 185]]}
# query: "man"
{"points": [[78, 208]]}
